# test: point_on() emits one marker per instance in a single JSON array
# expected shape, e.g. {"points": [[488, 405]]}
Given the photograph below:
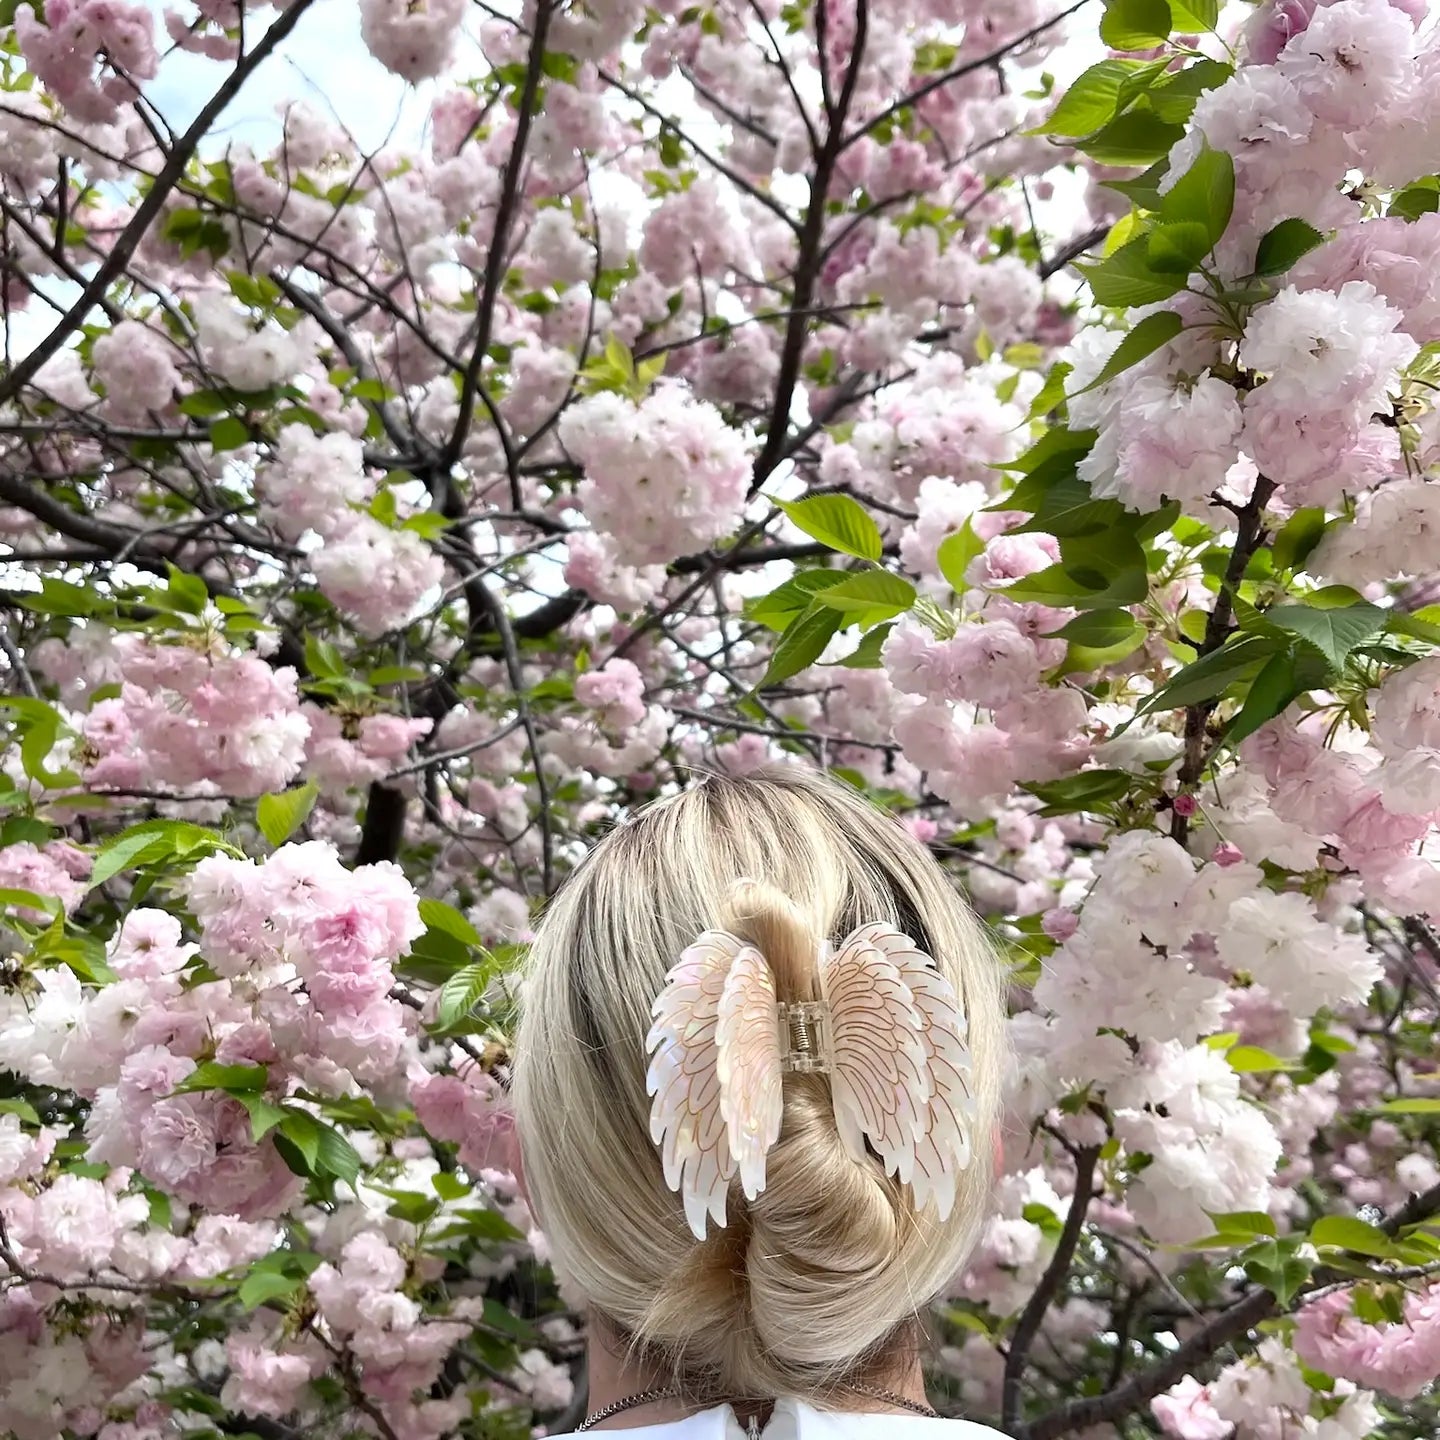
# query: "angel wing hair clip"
{"points": [[889, 1031]]}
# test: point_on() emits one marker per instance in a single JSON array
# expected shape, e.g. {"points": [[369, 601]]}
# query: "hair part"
{"points": [[814, 1282]]}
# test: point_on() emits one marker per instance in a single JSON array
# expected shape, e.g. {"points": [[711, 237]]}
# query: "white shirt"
{"points": [[795, 1420]]}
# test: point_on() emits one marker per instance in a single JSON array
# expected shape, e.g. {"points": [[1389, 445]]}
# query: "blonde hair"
{"points": [[810, 1285]]}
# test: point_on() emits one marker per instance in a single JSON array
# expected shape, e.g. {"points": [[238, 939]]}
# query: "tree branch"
{"points": [[1250, 533], [1033, 1315], [509, 203], [149, 208], [1221, 1330], [809, 260]]}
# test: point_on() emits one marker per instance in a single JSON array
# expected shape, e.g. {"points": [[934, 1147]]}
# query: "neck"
{"points": [[614, 1377]]}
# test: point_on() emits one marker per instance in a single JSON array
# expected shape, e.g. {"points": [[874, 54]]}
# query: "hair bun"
{"points": [[808, 1284], [763, 914]]}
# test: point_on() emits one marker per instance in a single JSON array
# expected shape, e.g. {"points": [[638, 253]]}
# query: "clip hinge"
{"points": [[805, 1037]]}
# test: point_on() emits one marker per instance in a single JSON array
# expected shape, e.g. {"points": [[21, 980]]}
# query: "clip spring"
{"points": [[805, 1037]]}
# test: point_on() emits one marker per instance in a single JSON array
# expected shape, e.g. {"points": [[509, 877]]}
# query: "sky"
{"points": [[325, 63]]}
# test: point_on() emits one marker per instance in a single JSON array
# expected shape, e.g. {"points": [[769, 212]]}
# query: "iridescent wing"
{"points": [[944, 1149], [748, 1037], [877, 1080], [685, 1116]]}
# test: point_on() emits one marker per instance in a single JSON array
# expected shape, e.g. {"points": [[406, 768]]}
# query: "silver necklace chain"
{"points": [[670, 1392]]}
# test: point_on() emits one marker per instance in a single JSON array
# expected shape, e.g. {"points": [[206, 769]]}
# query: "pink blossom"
{"points": [[1356, 57], [149, 945], [389, 737], [664, 478], [592, 566], [185, 719], [137, 368], [1324, 349], [1399, 1360], [616, 692], [1273, 25], [263, 1379], [64, 49], [44, 872], [377, 576], [1185, 1412], [414, 41], [313, 481]]}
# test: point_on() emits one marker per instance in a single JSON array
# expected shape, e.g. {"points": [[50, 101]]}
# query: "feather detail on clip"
{"points": [[942, 1149], [714, 1074], [897, 1058]]}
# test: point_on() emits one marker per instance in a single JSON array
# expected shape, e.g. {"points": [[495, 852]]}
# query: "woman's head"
{"points": [[807, 1283]]}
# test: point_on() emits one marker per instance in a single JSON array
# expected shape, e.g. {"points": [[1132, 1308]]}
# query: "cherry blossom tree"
{"points": [[705, 387]]}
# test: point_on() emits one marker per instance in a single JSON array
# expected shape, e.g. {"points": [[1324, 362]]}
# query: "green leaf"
{"points": [[23, 1108], [1252, 1060], [1334, 633], [1098, 629], [428, 524], [786, 602], [1204, 195], [1057, 445], [130, 848], [39, 726], [233, 1079], [1051, 394], [1136, 137], [262, 1286], [1043, 1217], [1243, 1224], [1144, 190], [1173, 97], [836, 521], [1095, 572], [1211, 675], [337, 1156], [1135, 24], [1145, 339], [1283, 245], [1195, 14], [1297, 537], [1082, 791], [1422, 624], [435, 957], [16, 899], [22, 829], [1098, 95], [1177, 249], [280, 816], [264, 1116], [802, 644], [867, 654], [323, 660], [1422, 197], [955, 554], [868, 590], [1346, 1232], [1411, 1105], [1271, 691], [448, 1186], [438, 915], [461, 993], [228, 433], [1277, 1266], [1127, 278], [412, 1207], [301, 1131], [1068, 509], [186, 592], [59, 597]]}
